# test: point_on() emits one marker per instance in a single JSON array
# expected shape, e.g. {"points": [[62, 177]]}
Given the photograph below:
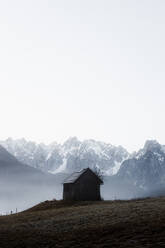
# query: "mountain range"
{"points": [[72, 155], [31, 172]]}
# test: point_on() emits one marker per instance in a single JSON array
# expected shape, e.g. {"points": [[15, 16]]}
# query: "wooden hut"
{"points": [[82, 186]]}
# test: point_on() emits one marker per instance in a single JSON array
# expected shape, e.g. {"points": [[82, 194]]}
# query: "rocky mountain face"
{"points": [[71, 156], [146, 168]]}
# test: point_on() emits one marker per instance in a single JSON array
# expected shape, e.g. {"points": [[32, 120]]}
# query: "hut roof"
{"points": [[76, 175]]}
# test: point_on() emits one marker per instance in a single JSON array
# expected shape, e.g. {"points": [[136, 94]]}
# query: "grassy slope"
{"points": [[139, 223]]}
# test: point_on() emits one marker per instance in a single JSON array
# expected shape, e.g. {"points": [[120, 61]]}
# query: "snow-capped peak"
{"points": [[149, 146], [152, 145]]}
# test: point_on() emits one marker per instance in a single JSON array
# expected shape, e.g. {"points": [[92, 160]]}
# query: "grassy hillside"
{"points": [[137, 223]]}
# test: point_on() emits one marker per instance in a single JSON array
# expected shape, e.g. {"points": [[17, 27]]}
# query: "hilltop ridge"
{"points": [[136, 223]]}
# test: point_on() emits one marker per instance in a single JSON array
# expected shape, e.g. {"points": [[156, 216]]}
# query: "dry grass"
{"points": [[139, 223]]}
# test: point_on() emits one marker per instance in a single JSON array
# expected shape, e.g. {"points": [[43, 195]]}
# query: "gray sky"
{"points": [[91, 69]]}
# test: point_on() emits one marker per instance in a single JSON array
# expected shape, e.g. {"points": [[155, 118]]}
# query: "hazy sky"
{"points": [[90, 68]]}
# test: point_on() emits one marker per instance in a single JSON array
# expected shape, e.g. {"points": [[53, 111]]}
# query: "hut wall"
{"points": [[87, 188], [68, 191]]}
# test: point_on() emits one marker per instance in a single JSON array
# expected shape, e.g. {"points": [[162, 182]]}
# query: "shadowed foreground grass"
{"points": [[137, 223]]}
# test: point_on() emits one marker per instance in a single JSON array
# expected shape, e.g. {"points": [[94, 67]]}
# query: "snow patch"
{"points": [[61, 168], [116, 168]]}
